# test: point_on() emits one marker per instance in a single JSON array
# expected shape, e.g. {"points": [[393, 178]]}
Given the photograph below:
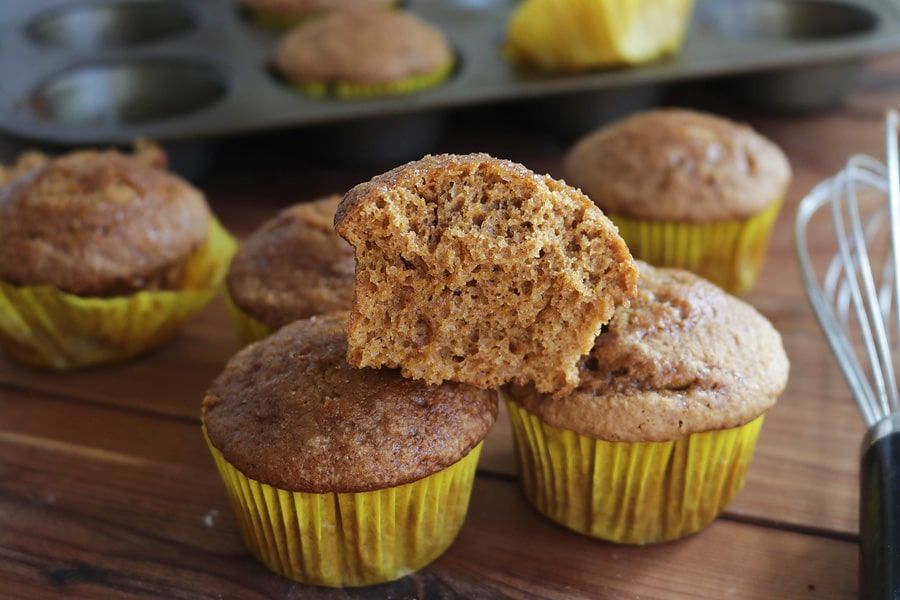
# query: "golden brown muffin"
{"points": [[657, 438], [363, 49], [291, 412], [677, 164], [99, 224], [294, 266], [683, 357], [341, 476], [687, 190], [476, 269], [288, 10]]}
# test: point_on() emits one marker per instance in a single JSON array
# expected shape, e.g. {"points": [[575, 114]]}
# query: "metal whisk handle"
{"points": [[879, 512]]}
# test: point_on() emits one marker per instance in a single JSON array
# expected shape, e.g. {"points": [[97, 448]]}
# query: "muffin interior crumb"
{"points": [[475, 269]]}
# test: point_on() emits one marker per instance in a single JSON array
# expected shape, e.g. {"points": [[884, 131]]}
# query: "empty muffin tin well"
{"points": [[786, 21], [128, 93], [108, 71], [110, 25]]}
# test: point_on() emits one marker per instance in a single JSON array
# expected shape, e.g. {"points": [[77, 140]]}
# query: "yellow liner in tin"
{"points": [[375, 89], [350, 539], [728, 253], [247, 328], [45, 327], [630, 493]]}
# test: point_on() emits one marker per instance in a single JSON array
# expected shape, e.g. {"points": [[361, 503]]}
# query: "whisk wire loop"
{"points": [[855, 304]]}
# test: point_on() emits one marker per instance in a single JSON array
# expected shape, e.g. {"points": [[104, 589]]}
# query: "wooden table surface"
{"points": [[107, 489]]}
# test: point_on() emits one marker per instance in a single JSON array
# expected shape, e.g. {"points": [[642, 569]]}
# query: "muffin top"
{"points": [[684, 357], [306, 8], [97, 223], [294, 266], [682, 165], [362, 46], [290, 412], [476, 269]]}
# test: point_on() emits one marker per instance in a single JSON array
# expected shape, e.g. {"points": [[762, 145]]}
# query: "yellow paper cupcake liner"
{"points": [[352, 539], [728, 253], [44, 327], [247, 328], [630, 493], [584, 34], [350, 90]]}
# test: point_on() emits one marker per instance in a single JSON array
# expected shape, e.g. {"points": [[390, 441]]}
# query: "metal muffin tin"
{"points": [[106, 71]]}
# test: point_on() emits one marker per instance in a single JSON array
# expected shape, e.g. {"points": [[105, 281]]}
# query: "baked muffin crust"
{"points": [[476, 269], [98, 224], [684, 357], [290, 412], [294, 266], [362, 46], [675, 164]]}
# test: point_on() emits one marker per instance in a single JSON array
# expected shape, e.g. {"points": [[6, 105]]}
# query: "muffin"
{"points": [[294, 266], [278, 14], [656, 439], [104, 256], [686, 189], [475, 269], [588, 34], [364, 53], [340, 476]]}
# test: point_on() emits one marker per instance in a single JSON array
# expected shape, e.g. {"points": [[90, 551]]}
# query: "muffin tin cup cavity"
{"points": [[107, 71], [110, 25], [127, 93], [788, 20]]}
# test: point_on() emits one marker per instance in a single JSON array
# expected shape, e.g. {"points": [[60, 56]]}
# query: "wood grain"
{"points": [[108, 513], [107, 489]]}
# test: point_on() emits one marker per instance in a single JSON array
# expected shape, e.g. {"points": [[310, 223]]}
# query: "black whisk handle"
{"points": [[879, 512]]}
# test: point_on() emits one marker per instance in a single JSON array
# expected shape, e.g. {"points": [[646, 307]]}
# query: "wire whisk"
{"points": [[855, 296]]}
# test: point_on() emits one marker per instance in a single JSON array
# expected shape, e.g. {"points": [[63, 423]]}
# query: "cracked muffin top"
{"points": [[290, 411], [684, 357], [99, 223]]}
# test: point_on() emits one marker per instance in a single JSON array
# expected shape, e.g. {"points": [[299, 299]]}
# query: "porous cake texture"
{"points": [[475, 269]]}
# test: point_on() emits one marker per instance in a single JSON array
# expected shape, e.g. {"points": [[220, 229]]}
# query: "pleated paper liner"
{"points": [[248, 329], [350, 539], [728, 253], [586, 34], [351, 89], [630, 493], [44, 327]]}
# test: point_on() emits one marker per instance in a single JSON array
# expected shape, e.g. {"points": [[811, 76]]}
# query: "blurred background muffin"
{"points": [[278, 14], [364, 53], [104, 255], [341, 476], [572, 35], [294, 266], [657, 438], [687, 189]]}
